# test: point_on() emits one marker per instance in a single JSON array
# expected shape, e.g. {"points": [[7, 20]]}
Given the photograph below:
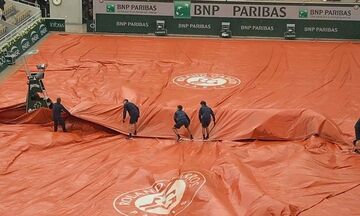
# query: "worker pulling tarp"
{"points": [[285, 113]]}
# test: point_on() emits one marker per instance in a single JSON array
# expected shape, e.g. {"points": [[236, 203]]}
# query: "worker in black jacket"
{"points": [[357, 137], [2, 4], [181, 119], [205, 114], [57, 109], [2, 10], [134, 113]]}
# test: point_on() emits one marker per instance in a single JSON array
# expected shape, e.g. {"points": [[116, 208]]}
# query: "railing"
{"points": [[19, 28], [2, 29]]}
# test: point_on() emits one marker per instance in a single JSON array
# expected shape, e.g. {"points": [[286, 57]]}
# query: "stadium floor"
{"points": [[285, 115]]}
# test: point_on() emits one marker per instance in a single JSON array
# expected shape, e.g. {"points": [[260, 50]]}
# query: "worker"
{"points": [[134, 114], [181, 119], [357, 137], [2, 9], [57, 109], [205, 114]]}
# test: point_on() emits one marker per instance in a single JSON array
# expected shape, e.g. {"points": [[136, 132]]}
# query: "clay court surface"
{"points": [[286, 113]]}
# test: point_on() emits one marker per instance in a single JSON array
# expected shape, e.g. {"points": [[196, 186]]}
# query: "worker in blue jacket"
{"points": [[134, 114], [205, 115], [357, 137], [57, 109], [181, 119], [2, 10]]}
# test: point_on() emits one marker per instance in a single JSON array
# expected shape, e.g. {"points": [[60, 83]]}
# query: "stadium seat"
{"points": [[2, 29], [20, 16], [9, 9]]}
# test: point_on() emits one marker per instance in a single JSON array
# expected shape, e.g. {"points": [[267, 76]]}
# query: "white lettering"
{"points": [[121, 23], [192, 178], [309, 29], [183, 25], [138, 24]]}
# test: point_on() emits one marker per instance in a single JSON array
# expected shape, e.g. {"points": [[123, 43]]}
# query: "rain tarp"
{"points": [[285, 123]]}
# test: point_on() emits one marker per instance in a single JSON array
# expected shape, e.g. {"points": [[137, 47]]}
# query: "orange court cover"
{"points": [[281, 145]]}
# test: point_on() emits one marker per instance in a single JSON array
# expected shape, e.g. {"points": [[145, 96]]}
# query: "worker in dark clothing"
{"points": [[181, 119], [2, 10], [205, 114], [357, 137], [357, 130], [57, 109], [134, 113]]}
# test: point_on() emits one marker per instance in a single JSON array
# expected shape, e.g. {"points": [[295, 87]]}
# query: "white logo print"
{"points": [[34, 36], [25, 44], [15, 51], [163, 197], [2, 60], [42, 29], [207, 81]]}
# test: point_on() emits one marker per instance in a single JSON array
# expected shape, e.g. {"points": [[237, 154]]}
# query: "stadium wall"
{"points": [[70, 10], [333, 21]]}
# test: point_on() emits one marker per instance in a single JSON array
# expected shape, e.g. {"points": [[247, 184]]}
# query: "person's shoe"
{"points": [[129, 136], [204, 137], [178, 138], [191, 137], [207, 137]]}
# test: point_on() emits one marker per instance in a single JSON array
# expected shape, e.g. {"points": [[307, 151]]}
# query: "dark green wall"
{"points": [[239, 26]]}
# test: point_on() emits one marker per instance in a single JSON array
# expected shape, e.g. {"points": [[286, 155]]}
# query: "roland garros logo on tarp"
{"points": [[163, 197], [206, 81]]}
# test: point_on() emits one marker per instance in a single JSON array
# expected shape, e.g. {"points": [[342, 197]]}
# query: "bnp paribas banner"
{"points": [[188, 9], [55, 24]]}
